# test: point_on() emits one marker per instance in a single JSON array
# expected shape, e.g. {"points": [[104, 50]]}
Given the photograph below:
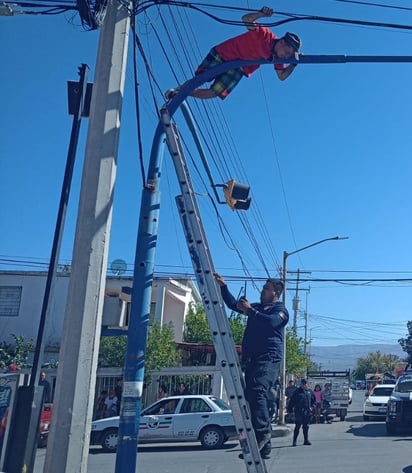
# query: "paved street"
{"points": [[352, 446]]}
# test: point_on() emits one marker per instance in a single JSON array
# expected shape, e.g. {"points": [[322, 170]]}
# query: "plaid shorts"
{"points": [[224, 83]]}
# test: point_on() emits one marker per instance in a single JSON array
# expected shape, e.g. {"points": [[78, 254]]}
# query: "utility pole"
{"points": [[24, 432], [68, 443], [296, 303], [306, 324], [296, 300]]}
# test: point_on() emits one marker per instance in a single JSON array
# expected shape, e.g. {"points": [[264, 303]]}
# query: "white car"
{"points": [[375, 404], [187, 418]]}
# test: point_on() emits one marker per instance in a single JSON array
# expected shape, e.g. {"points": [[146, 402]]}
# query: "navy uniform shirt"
{"points": [[264, 328]]}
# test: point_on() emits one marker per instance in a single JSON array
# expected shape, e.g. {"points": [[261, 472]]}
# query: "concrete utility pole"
{"points": [[68, 443]]}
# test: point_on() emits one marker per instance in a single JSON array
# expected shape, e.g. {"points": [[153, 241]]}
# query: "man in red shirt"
{"points": [[257, 43]]}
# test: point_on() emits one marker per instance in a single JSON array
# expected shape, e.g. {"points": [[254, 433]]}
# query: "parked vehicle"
{"points": [[45, 420], [376, 401], [186, 418], [399, 413], [340, 395]]}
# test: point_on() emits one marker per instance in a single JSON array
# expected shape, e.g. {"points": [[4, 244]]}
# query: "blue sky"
{"points": [[326, 153]]}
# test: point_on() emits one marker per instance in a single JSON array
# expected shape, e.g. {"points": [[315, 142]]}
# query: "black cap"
{"points": [[293, 40], [303, 381]]}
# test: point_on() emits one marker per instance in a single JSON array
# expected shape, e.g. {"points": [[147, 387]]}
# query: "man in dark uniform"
{"points": [[262, 351], [47, 388], [302, 404]]}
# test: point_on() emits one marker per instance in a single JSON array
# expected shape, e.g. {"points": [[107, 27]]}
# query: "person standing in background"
{"points": [[47, 397]]}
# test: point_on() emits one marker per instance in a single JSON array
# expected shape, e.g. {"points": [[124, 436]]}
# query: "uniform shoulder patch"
{"points": [[282, 315]]}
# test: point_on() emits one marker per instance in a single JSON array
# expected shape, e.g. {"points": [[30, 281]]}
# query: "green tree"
{"points": [[375, 362], [197, 326], [406, 343], [161, 350], [14, 355], [237, 324], [112, 352], [296, 361]]}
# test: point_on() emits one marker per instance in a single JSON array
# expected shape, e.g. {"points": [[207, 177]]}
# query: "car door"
{"points": [[156, 422], [195, 413]]}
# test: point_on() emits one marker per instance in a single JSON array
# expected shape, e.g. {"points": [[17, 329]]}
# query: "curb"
{"points": [[280, 430]]}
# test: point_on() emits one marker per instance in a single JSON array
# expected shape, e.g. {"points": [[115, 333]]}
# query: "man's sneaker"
{"points": [[170, 93], [294, 444], [307, 443]]}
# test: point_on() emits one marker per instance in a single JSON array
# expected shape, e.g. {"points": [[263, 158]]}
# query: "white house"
{"points": [[22, 293]]}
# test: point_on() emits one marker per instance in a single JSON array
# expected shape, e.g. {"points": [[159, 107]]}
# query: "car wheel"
{"points": [[212, 437], [108, 440]]}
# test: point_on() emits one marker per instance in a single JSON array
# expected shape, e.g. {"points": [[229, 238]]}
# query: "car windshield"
{"points": [[380, 391], [404, 386]]}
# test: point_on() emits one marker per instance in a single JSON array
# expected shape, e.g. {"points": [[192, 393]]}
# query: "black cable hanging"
{"points": [[290, 16], [244, 222], [92, 13], [137, 100], [370, 4]]}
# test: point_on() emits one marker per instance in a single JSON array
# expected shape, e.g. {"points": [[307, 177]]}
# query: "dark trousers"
{"points": [[301, 421], [260, 375]]}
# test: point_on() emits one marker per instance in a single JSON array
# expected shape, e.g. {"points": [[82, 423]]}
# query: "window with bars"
{"points": [[10, 298]]}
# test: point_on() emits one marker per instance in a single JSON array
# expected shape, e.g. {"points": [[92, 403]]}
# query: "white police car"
{"points": [[187, 418]]}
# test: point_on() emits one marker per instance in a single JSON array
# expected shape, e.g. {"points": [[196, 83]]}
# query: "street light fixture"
{"points": [[282, 402]]}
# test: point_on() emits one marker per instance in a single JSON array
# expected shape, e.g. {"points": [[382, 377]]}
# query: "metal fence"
{"points": [[194, 379]]}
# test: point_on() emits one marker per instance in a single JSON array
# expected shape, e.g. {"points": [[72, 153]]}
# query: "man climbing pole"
{"points": [[257, 43]]}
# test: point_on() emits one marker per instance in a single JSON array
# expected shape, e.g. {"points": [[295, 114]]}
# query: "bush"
{"points": [[13, 356]]}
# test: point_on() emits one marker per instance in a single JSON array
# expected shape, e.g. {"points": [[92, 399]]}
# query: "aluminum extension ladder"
{"points": [[226, 354]]}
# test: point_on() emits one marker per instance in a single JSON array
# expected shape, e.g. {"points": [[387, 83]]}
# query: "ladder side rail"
{"points": [[228, 360], [221, 334], [220, 329]]}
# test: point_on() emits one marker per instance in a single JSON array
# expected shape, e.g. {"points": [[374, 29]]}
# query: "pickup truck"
{"points": [[340, 390], [399, 411], [45, 421]]}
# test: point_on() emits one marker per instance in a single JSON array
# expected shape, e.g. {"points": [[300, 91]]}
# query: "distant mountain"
{"points": [[343, 357]]}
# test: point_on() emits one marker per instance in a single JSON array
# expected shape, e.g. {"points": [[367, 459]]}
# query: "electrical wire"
{"points": [[381, 5], [290, 17], [218, 145], [137, 100]]}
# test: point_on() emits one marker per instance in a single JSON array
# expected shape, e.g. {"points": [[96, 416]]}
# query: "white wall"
{"points": [[172, 299]]}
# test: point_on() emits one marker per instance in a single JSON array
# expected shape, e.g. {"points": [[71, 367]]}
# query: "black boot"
{"points": [[265, 451], [295, 436]]}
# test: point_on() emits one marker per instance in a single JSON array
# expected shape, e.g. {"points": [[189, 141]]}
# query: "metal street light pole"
{"points": [[282, 403]]}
